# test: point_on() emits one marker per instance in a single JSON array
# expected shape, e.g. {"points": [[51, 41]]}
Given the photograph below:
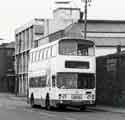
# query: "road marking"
{"points": [[47, 114], [69, 118], [27, 110], [10, 107], [45, 118]]}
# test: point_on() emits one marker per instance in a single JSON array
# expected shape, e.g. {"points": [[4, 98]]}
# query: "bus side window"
{"points": [[31, 82], [53, 80], [54, 50], [49, 52], [43, 81], [33, 57], [31, 54], [41, 54], [37, 55], [45, 54]]}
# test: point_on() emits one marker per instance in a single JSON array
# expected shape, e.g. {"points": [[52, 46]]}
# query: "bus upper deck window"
{"points": [[82, 52], [54, 50], [53, 80], [79, 53]]}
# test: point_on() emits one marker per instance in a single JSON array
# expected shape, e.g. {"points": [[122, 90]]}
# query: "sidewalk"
{"points": [[108, 109], [12, 97], [21, 98]]}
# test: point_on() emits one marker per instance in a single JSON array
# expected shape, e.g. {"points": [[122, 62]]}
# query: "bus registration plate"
{"points": [[76, 97]]}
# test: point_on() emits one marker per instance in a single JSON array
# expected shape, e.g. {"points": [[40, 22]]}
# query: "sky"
{"points": [[14, 13]]}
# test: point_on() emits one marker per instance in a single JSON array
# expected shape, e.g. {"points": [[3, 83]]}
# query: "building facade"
{"points": [[110, 79], [25, 36], [106, 34], [7, 73]]}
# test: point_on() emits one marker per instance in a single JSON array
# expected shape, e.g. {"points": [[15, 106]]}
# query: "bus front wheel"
{"points": [[47, 102]]}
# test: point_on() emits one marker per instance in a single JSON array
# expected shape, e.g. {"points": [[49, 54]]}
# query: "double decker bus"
{"points": [[63, 73]]}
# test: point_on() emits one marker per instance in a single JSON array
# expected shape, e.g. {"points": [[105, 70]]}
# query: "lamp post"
{"points": [[85, 20], [85, 16]]}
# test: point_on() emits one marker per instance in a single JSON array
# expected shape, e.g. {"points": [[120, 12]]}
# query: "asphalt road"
{"points": [[14, 109]]}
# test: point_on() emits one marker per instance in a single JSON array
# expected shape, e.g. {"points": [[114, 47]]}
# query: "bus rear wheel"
{"points": [[47, 103], [83, 107], [32, 101]]}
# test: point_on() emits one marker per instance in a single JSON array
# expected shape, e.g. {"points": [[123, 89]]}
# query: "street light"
{"points": [[87, 2]]}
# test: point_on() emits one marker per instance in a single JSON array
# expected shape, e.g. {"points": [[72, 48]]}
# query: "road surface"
{"points": [[15, 109]]}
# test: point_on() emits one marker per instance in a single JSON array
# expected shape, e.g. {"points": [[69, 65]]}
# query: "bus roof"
{"points": [[88, 42]]}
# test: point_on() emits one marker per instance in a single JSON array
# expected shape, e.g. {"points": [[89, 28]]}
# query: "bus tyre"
{"points": [[62, 107], [83, 107], [47, 102], [32, 101]]}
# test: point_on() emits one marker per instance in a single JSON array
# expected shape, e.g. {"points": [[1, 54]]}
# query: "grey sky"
{"points": [[14, 13]]}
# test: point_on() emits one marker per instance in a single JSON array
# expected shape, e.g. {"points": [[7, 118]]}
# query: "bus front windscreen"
{"points": [[76, 48], [75, 81]]}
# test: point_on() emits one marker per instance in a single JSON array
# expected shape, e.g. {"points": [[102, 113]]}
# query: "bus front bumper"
{"points": [[74, 103]]}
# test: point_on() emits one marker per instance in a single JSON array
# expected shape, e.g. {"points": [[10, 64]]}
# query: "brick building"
{"points": [[110, 79], [7, 74]]}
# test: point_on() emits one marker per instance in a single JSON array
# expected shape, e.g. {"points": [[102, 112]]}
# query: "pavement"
{"points": [[97, 107], [109, 109]]}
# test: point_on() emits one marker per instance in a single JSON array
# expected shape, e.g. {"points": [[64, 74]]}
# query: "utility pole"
{"points": [[85, 20], [85, 16]]}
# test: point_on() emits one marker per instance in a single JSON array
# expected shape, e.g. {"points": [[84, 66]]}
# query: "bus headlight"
{"points": [[62, 96], [59, 96], [89, 96]]}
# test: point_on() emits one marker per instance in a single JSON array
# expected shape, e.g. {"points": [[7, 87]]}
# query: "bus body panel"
{"points": [[61, 64], [58, 67]]}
